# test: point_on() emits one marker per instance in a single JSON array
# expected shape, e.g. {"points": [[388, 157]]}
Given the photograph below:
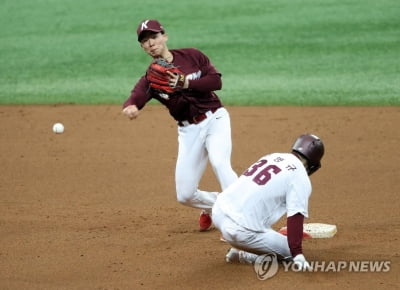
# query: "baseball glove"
{"points": [[157, 75]]}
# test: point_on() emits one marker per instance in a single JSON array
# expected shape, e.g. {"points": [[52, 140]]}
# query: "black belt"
{"points": [[196, 119]]}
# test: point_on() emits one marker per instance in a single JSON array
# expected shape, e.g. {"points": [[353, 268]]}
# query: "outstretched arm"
{"points": [[295, 240], [295, 233]]}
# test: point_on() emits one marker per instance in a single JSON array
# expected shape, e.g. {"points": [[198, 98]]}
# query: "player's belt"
{"points": [[197, 119]]}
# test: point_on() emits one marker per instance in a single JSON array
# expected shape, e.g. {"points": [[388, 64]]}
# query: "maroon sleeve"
{"points": [[295, 233], [194, 60], [207, 83], [140, 94]]}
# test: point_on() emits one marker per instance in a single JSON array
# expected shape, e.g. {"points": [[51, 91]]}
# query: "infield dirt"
{"points": [[95, 207]]}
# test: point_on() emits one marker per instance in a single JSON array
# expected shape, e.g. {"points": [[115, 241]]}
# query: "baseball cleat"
{"points": [[205, 221], [239, 256], [232, 256]]}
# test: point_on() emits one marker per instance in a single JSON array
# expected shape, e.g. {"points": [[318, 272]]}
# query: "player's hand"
{"points": [[177, 80], [131, 112], [301, 263]]}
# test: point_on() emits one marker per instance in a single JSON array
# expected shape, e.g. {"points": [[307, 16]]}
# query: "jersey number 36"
{"points": [[264, 174]]}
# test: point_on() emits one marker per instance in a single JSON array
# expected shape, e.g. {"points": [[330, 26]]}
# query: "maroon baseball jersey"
{"points": [[203, 77]]}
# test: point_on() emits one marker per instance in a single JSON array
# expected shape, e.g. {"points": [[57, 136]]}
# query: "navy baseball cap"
{"points": [[149, 25]]}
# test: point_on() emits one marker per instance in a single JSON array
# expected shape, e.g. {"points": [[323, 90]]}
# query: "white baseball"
{"points": [[58, 128]]}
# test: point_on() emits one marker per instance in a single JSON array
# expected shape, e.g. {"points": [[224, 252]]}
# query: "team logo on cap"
{"points": [[144, 25]]}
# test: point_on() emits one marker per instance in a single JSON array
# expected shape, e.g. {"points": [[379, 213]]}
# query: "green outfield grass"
{"points": [[286, 52]]}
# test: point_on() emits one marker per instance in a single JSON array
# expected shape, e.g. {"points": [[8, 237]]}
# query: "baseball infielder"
{"points": [[276, 184], [204, 131]]}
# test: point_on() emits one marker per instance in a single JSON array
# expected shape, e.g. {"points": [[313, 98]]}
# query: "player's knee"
{"points": [[183, 199], [185, 193]]}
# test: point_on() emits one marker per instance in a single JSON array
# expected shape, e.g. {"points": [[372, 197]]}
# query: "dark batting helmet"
{"points": [[312, 149]]}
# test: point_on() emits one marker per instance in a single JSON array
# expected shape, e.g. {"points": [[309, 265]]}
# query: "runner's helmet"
{"points": [[312, 149]]}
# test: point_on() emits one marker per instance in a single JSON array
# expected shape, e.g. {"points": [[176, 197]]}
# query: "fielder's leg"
{"points": [[219, 147], [190, 166]]}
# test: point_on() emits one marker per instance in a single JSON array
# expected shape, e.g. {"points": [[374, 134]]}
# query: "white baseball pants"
{"points": [[209, 140]]}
